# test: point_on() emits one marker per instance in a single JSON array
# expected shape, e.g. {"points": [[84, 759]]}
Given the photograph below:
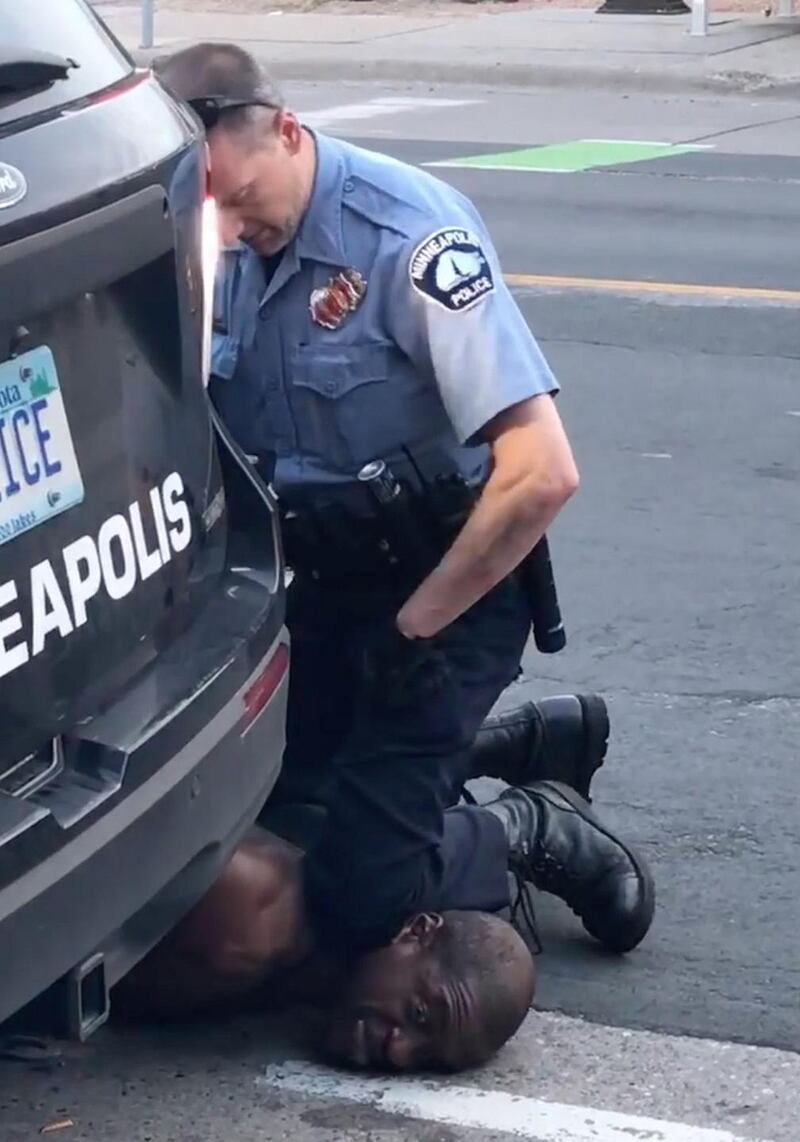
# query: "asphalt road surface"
{"points": [[677, 575]]}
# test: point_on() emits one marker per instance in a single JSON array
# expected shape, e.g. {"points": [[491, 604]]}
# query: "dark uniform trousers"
{"points": [[392, 765]]}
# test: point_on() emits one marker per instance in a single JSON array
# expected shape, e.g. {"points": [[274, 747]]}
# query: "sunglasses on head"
{"points": [[210, 108]]}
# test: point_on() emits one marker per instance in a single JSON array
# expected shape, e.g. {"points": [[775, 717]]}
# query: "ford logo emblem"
{"points": [[13, 186]]}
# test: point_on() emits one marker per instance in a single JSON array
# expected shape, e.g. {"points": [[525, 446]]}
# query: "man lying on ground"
{"points": [[448, 992], [452, 986]]}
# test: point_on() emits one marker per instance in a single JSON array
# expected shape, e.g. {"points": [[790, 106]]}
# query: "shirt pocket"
{"points": [[339, 399]]}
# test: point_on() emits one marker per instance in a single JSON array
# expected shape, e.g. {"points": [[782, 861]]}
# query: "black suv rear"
{"points": [[143, 656]]}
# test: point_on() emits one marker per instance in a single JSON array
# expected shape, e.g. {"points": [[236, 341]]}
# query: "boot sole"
{"points": [[597, 730], [646, 882]]}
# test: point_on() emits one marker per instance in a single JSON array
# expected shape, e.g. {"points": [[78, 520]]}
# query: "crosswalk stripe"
{"points": [[324, 117], [486, 1110]]}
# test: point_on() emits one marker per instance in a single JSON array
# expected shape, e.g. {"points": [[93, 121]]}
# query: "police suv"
{"points": [[143, 654]]}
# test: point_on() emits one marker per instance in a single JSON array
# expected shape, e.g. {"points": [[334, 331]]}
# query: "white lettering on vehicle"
{"points": [[17, 655], [114, 562], [83, 585], [161, 526], [177, 512], [49, 610], [149, 561], [118, 569]]}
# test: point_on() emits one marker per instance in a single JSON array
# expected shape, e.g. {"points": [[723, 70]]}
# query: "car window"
{"points": [[63, 28]]}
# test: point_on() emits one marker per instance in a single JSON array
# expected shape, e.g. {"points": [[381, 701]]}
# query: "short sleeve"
{"points": [[452, 313]]}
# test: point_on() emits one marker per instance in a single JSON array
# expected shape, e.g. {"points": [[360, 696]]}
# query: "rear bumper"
{"points": [[122, 882]]}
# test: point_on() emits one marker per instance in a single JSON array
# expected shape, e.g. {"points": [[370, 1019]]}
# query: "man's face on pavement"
{"points": [[257, 182], [400, 1011]]}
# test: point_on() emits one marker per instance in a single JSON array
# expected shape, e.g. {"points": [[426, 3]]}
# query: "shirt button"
{"points": [[349, 186], [330, 386]]}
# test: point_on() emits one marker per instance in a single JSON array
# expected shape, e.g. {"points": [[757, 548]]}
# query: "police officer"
{"points": [[361, 315]]}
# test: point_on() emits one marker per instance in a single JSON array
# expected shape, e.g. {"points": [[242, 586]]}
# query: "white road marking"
{"points": [[657, 455], [325, 117], [504, 167], [479, 1109], [645, 143]]}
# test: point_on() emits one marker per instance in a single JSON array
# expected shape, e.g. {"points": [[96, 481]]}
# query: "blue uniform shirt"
{"points": [[430, 353]]}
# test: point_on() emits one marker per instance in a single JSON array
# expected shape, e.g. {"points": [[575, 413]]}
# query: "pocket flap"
{"points": [[333, 371]]}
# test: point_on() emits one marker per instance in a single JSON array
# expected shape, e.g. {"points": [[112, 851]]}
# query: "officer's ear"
{"points": [[289, 131], [420, 929]]}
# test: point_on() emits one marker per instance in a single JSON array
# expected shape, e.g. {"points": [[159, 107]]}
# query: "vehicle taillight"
{"points": [[259, 694]]}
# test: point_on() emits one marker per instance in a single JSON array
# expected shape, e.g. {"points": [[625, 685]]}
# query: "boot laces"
{"points": [[523, 904], [550, 875]]}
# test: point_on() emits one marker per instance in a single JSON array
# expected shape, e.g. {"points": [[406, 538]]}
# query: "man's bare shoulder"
{"points": [[253, 882], [247, 926]]}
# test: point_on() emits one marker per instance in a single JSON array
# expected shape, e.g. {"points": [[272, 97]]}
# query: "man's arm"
{"points": [[533, 475]]}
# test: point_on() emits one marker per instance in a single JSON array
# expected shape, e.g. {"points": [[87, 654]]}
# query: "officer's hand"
{"points": [[399, 671]]}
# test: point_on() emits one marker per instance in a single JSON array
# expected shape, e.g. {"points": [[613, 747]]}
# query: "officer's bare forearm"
{"points": [[505, 526], [533, 476]]}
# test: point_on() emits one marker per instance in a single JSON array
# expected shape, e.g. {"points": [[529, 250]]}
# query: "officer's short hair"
{"points": [[224, 71]]}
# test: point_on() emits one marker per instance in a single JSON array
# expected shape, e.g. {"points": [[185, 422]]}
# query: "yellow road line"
{"points": [[675, 289]]}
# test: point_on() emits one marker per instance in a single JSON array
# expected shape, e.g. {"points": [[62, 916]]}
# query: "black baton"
{"points": [[538, 582]]}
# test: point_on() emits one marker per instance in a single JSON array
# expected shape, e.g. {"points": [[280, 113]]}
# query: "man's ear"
{"points": [[289, 130], [420, 929]]}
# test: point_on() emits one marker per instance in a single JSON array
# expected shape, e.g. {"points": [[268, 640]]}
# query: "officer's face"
{"points": [[260, 183], [401, 1012]]}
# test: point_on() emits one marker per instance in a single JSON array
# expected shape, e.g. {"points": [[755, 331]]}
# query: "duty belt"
{"points": [[401, 543], [340, 549]]}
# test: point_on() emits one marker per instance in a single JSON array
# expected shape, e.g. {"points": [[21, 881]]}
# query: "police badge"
{"points": [[331, 303]]}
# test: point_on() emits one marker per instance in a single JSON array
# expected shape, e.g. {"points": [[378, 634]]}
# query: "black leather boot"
{"points": [[558, 739], [557, 843]]}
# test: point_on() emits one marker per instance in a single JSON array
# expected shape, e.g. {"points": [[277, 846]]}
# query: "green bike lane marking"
{"points": [[573, 157]]}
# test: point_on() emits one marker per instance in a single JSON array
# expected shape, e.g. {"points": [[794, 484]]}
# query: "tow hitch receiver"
{"points": [[87, 998]]}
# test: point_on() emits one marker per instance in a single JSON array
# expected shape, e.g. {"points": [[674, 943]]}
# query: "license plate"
{"points": [[39, 474]]}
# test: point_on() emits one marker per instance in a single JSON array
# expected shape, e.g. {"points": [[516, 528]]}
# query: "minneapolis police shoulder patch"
{"points": [[450, 268]]}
